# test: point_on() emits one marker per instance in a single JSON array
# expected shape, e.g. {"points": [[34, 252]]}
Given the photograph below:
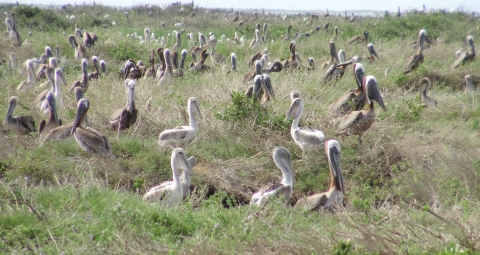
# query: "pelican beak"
{"points": [[295, 108], [61, 76], [332, 148], [372, 92], [359, 75], [82, 108]]}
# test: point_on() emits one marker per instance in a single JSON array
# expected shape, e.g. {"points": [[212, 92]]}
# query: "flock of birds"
{"points": [[349, 109]]}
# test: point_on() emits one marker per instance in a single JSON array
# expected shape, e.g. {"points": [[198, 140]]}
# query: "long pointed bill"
{"points": [[359, 74], [295, 109], [11, 106], [372, 92], [281, 157], [82, 108], [332, 148]]}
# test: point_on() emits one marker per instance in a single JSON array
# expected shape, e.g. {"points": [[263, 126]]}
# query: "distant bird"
{"points": [[275, 66], [469, 87], [89, 139], [371, 52], [22, 125], [200, 66], [414, 61], [357, 122], [146, 34], [467, 55], [359, 38], [335, 195], [424, 85], [183, 135], [304, 137], [281, 157], [293, 61], [286, 37], [14, 34]]}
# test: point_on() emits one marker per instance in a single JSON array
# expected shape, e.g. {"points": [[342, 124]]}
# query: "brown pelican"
{"points": [[94, 74], [336, 71], [171, 193], [298, 35], [424, 85], [22, 125], [83, 81], [151, 72], [469, 87], [262, 89], [14, 35], [167, 77], [178, 44], [371, 52], [352, 100], [415, 60], [78, 32], [334, 196], [467, 55], [326, 25], [30, 82], [125, 117], [53, 121], [254, 58], [181, 136], [65, 131], [281, 157], [88, 41], [286, 37], [198, 50], [160, 68], [52, 62], [146, 34], [179, 71], [257, 42], [235, 18], [233, 60], [333, 56], [80, 50], [275, 66], [357, 122], [103, 66], [89, 139], [132, 70], [362, 38], [216, 58], [292, 62], [304, 137], [200, 66]]}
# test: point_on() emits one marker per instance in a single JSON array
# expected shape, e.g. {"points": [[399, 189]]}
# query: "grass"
{"points": [[412, 186]]}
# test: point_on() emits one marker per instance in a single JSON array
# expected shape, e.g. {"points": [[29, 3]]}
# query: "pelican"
{"points": [[333, 56], [78, 32], [286, 37], [131, 70], [58, 52], [151, 72], [424, 85], [292, 62], [103, 66], [336, 71], [21, 125], [371, 52], [80, 50], [469, 87], [216, 58], [171, 193], [352, 100], [335, 33], [146, 33], [362, 38], [179, 71], [299, 35], [197, 50], [167, 77], [94, 74], [334, 196], [14, 35], [125, 117], [281, 157], [275, 66], [83, 81], [161, 67], [253, 58], [65, 131], [200, 66], [262, 88], [342, 56], [467, 55], [30, 82], [304, 137], [357, 122], [88, 41], [233, 59], [181, 136], [415, 60], [52, 62], [178, 44], [58, 79], [257, 42], [53, 121], [89, 139]]}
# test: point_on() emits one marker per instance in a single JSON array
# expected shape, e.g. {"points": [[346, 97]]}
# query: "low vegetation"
{"points": [[412, 186]]}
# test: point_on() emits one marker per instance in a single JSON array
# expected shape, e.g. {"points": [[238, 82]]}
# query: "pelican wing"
{"points": [[59, 133], [157, 193], [175, 135], [460, 60], [309, 135], [349, 120]]}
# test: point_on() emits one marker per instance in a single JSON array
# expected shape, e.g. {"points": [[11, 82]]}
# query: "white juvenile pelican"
{"points": [[281, 157], [171, 193], [30, 82], [304, 137], [334, 196], [257, 42], [167, 77], [181, 136]]}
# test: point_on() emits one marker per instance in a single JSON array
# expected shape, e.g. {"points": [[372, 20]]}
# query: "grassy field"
{"points": [[412, 186]]}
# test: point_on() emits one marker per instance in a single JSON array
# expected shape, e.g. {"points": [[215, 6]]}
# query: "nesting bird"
{"points": [[424, 85], [22, 125]]}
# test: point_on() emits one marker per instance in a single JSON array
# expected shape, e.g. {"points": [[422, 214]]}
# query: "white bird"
{"points": [[181, 136], [30, 82], [179, 24], [171, 193], [281, 157], [304, 137]]}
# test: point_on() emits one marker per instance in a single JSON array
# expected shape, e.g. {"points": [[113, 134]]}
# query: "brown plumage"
{"points": [[53, 121], [276, 66], [352, 100], [80, 50], [292, 62], [359, 38], [466, 56], [357, 122], [428, 101], [125, 117], [22, 125], [414, 61], [333, 56], [254, 58], [151, 71], [200, 66]]}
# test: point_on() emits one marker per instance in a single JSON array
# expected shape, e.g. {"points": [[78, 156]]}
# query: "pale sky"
{"points": [[336, 5]]}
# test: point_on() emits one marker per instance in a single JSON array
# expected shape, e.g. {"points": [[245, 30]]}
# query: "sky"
{"points": [[339, 5]]}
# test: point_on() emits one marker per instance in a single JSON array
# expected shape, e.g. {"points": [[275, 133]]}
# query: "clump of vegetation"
{"points": [[45, 19]]}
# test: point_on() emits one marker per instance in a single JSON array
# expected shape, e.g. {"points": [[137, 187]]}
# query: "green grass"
{"points": [[412, 185]]}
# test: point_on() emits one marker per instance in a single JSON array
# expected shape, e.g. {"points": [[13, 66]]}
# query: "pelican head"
{"points": [[50, 73], [258, 67], [294, 94], [84, 65], [292, 47], [52, 107], [342, 56], [129, 65], [168, 60], [233, 58], [53, 62], [82, 108], [311, 62], [296, 109], [12, 104], [332, 149], [179, 160], [72, 41], [193, 104], [95, 62], [59, 77], [258, 26], [359, 74], [371, 50], [182, 60], [131, 94], [372, 92], [281, 157], [48, 51]]}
